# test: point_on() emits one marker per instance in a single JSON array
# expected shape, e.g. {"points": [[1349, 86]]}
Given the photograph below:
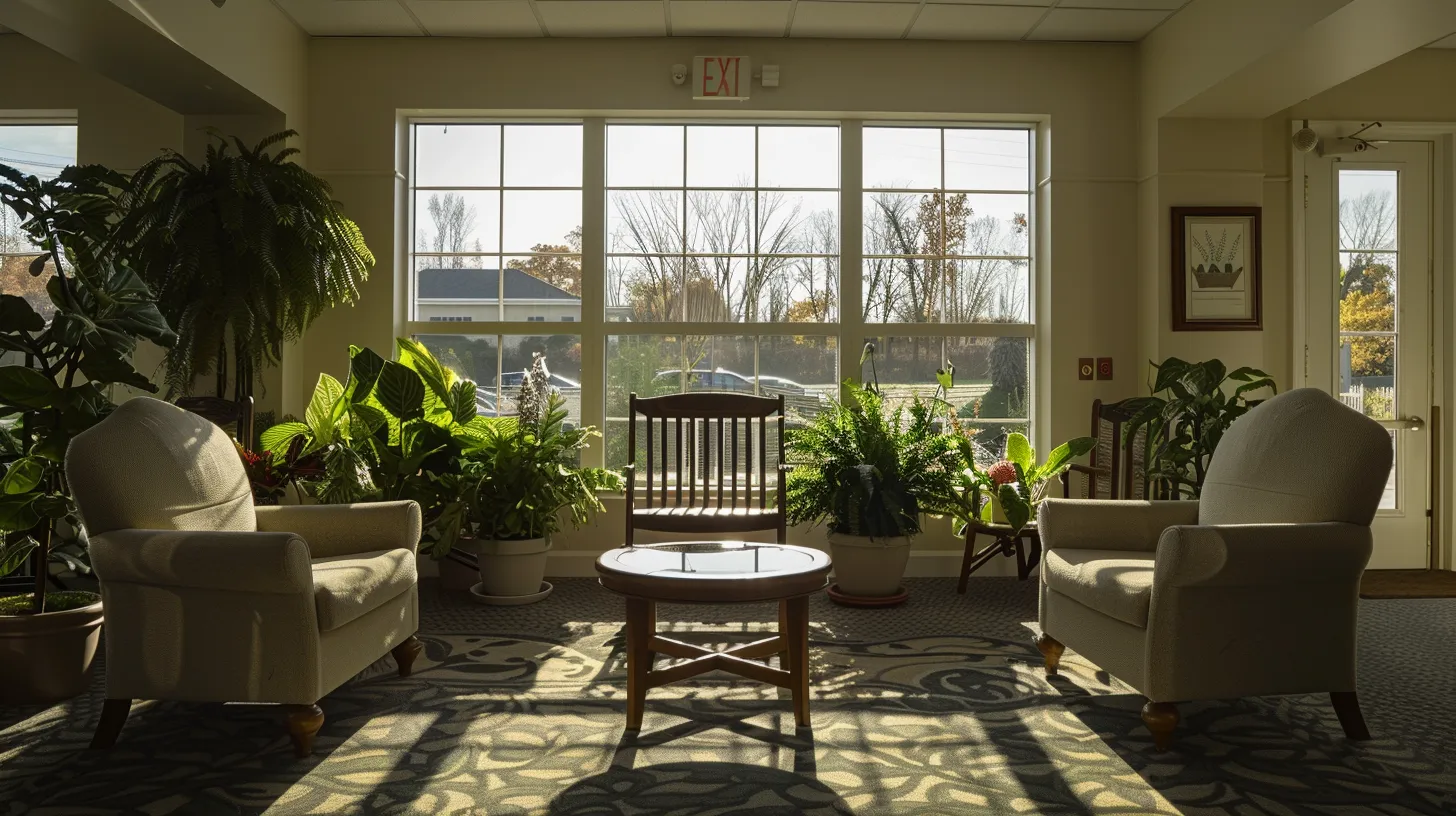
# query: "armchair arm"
{"points": [[1089, 524], [1246, 555], [345, 529], [271, 563]]}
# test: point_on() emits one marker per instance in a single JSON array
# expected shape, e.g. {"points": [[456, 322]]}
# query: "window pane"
{"points": [[721, 290], [812, 286], [473, 358], [720, 156], [904, 367], [986, 291], [1367, 375], [644, 156], [985, 224], [902, 157], [720, 222], [467, 293], [543, 155], [542, 287], [457, 155], [457, 221], [563, 361], [1368, 209], [645, 289], [798, 156], [536, 219], [900, 223], [992, 391], [633, 364], [987, 159], [798, 223], [34, 150], [645, 221], [15, 279], [1368, 291], [804, 369]]}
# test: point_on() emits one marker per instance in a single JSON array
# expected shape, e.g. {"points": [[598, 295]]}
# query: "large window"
{"points": [[714, 255], [42, 150]]}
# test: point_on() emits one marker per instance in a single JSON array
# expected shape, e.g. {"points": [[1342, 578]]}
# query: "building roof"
{"points": [[484, 284]]}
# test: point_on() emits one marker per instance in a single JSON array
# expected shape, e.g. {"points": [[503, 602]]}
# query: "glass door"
{"points": [[1368, 250]]}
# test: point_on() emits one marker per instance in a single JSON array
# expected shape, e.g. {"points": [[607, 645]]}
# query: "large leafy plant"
{"points": [[868, 472], [244, 250], [397, 429], [1017, 483], [67, 365], [1191, 407], [525, 478]]}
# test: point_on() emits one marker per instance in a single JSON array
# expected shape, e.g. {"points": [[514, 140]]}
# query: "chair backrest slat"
{"points": [[649, 459], [720, 461], [762, 459], [665, 460]]}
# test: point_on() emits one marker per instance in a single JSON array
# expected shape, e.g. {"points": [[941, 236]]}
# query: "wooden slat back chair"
{"points": [[1114, 471], [693, 483], [224, 413]]}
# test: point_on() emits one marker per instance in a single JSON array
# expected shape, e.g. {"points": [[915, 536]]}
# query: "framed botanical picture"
{"points": [[1216, 280]]}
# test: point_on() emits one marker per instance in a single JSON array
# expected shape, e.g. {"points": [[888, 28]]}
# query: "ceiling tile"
{"points": [[1100, 25], [940, 22], [603, 18], [1166, 5], [730, 18], [819, 19], [475, 18], [342, 18], [1041, 4]]}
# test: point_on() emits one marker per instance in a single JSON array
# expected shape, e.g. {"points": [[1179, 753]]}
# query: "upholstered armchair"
{"points": [[210, 599], [1250, 591]]}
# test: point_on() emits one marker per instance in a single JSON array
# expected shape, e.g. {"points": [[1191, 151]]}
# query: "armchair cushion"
{"points": [[347, 529], [1117, 583], [346, 587]]}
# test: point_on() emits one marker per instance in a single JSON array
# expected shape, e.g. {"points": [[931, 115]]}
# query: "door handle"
{"points": [[1413, 423]]}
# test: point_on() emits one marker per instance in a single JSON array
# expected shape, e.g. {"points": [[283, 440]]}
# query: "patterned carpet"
{"points": [[934, 707]]}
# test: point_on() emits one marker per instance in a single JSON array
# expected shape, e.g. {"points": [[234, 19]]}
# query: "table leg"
{"points": [[797, 634], [783, 634], [966, 562], [641, 621]]}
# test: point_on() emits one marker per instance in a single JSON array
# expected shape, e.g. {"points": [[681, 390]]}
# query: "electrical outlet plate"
{"points": [[1104, 368], [1084, 368]]}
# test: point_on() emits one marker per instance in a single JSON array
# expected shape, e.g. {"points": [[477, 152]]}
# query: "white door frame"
{"points": [[1442, 136]]}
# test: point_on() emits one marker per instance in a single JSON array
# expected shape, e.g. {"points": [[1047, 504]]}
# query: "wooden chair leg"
{"points": [[304, 721], [1162, 720], [1347, 708], [405, 654], [641, 621], [113, 717], [965, 576], [1051, 652], [797, 635]]}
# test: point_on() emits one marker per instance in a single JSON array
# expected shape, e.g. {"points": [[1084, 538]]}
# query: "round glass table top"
{"points": [[714, 560]]}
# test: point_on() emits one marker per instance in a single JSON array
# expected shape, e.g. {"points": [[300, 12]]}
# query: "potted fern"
{"points": [[868, 475], [521, 484]]}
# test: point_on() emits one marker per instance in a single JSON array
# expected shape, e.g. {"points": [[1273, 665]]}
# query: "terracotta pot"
{"points": [[47, 657], [869, 567], [512, 568]]}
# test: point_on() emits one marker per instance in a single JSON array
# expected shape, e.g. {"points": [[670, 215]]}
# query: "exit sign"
{"points": [[721, 78]]}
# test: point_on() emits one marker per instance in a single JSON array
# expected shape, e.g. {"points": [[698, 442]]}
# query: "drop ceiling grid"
{"points": [[994, 20]]}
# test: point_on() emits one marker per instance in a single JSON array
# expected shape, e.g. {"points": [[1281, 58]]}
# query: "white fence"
{"points": [[1357, 397]]}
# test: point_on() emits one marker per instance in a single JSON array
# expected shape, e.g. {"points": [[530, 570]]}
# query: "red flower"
{"points": [[1003, 472]]}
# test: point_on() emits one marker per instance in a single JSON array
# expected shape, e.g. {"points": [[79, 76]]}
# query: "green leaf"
{"points": [[462, 401], [17, 513], [1062, 455], [401, 391], [364, 368], [13, 553], [37, 266], [319, 415], [22, 476], [1019, 452], [1016, 509], [16, 314], [277, 438], [26, 388]]}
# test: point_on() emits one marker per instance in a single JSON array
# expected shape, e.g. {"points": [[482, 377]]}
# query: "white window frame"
{"points": [[593, 328]]}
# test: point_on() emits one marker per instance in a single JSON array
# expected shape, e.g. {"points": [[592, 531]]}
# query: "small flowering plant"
{"points": [[1017, 482]]}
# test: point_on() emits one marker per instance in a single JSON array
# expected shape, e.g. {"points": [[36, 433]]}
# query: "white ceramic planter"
{"points": [[512, 568], [869, 567]]}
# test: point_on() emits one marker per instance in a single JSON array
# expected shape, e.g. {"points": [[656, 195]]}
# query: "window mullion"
{"points": [[851, 247], [594, 286]]}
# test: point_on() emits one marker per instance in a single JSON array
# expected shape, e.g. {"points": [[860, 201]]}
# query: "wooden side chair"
{"points": [[224, 413], [695, 482], [1115, 469]]}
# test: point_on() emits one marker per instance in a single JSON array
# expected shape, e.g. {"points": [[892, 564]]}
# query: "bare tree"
{"points": [[1367, 226], [454, 223]]}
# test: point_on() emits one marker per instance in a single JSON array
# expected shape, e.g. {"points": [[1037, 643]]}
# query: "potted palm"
{"points": [[99, 309], [520, 485], [868, 475]]}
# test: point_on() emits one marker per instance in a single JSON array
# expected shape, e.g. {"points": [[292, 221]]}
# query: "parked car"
{"points": [[485, 405], [779, 385], [702, 379]]}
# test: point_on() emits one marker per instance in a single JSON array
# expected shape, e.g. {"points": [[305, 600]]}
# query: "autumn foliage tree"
{"points": [[1370, 307]]}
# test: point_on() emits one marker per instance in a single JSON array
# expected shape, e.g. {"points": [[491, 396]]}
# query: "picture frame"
{"points": [[1217, 275]]}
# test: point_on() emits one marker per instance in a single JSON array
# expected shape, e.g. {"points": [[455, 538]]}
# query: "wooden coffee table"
{"points": [[715, 572]]}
